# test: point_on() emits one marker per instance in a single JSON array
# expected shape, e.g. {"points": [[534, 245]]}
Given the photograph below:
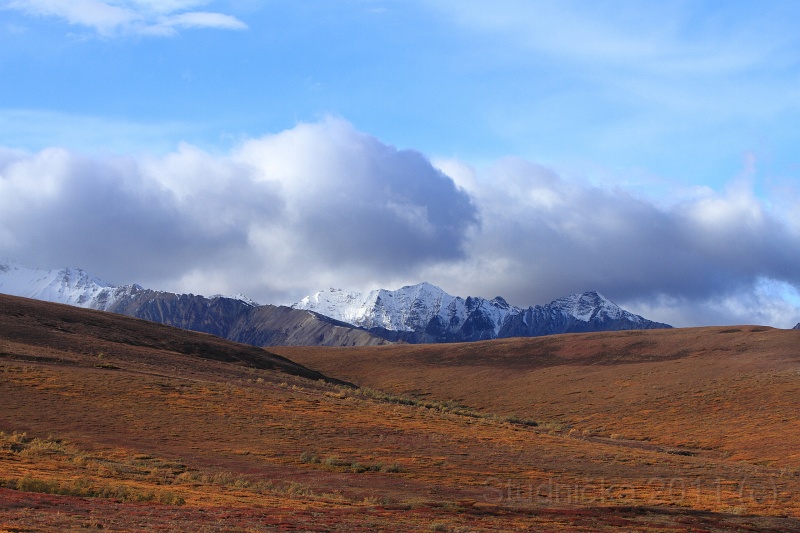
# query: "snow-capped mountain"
{"points": [[71, 286], [411, 308], [425, 313], [236, 318], [74, 286], [416, 313]]}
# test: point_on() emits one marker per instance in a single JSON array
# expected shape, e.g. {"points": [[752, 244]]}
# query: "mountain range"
{"points": [[425, 313], [421, 313], [235, 318]]}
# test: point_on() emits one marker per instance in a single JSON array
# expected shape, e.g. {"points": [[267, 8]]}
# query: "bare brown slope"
{"points": [[233, 319], [75, 333], [125, 422], [268, 325], [729, 392]]}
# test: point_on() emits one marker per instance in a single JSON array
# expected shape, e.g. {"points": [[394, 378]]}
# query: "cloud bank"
{"points": [[706, 258], [145, 17], [323, 204]]}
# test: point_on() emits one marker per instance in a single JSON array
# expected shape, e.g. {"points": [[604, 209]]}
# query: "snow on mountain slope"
{"points": [[593, 305], [409, 308], [71, 286], [236, 318], [434, 315], [412, 307], [421, 313]]}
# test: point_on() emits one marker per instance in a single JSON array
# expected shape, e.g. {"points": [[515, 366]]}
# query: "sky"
{"points": [[527, 149]]}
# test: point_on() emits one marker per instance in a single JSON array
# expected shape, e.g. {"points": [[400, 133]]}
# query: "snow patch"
{"points": [[71, 286]]}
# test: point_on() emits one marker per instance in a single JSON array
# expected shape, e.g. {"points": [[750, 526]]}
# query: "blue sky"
{"points": [[529, 149]]}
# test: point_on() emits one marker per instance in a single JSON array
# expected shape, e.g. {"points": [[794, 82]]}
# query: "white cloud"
{"points": [[202, 19], [276, 216], [323, 204], [765, 302], [109, 18], [666, 38], [102, 16], [354, 201], [166, 6], [699, 260]]}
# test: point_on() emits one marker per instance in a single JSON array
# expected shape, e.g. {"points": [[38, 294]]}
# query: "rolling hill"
{"points": [[119, 424], [53, 333], [720, 391]]}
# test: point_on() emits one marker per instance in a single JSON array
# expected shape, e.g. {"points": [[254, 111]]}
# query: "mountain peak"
{"points": [[499, 301], [72, 286], [414, 313], [246, 299], [419, 290], [403, 309], [426, 313], [589, 305], [79, 276], [424, 286], [240, 297]]}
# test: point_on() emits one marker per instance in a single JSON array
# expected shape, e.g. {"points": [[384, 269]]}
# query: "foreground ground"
{"points": [[127, 426]]}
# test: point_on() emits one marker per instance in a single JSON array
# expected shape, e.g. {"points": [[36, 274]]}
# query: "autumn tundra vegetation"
{"points": [[119, 424]]}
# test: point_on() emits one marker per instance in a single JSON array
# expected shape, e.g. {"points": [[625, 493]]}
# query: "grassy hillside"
{"points": [[125, 425], [719, 392]]}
